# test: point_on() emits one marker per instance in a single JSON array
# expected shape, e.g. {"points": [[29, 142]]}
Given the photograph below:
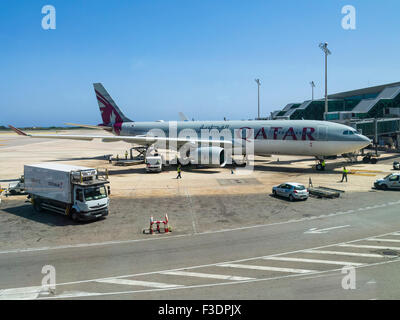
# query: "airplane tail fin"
{"points": [[110, 112]]}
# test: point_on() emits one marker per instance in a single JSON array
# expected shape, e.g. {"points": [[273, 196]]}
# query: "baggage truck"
{"points": [[77, 192]]}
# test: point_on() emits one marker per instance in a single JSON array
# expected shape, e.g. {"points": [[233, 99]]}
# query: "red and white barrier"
{"points": [[153, 222]]}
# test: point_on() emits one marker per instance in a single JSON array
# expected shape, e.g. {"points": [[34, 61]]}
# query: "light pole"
{"points": [[258, 86], [312, 90], [324, 48]]}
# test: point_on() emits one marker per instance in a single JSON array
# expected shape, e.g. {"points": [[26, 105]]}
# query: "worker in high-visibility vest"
{"points": [[344, 175], [323, 164], [126, 155], [179, 169]]}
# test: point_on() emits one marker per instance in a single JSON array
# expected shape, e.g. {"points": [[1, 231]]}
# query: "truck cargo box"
{"points": [[53, 180]]}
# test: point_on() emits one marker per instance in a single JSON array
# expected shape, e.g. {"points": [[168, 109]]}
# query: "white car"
{"points": [[391, 181], [291, 190]]}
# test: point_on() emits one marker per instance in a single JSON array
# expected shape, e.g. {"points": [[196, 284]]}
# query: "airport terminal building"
{"points": [[373, 111]]}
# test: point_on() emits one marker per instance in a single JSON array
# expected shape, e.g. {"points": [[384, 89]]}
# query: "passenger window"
{"points": [[394, 178]]}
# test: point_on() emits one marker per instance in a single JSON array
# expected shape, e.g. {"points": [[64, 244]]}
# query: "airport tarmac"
{"points": [[229, 234]]}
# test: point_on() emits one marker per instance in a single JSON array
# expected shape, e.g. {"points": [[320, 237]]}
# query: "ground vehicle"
{"points": [[391, 181], [396, 165], [74, 191], [17, 187], [154, 163], [291, 190]]}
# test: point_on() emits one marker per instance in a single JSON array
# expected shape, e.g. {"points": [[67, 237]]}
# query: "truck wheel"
{"points": [[74, 216], [319, 167], [373, 160], [13, 192], [37, 207], [291, 198], [384, 187]]}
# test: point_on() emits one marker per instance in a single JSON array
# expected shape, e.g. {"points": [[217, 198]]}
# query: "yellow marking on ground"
{"points": [[373, 171]]}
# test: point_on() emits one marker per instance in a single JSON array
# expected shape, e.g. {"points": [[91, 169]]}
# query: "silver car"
{"points": [[291, 190]]}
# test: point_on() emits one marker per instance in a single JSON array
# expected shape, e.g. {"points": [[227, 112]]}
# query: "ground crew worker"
{"points": [[126, 155], [323, 164], [179, 172], [345, 171]]}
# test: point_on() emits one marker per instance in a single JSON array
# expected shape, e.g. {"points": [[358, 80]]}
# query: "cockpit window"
{"points": [[347, 132]]}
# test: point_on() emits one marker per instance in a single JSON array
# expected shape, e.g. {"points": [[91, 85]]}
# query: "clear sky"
{"points": [[159, 57]]}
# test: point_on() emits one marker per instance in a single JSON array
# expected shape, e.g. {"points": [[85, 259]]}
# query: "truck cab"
{"points": [[90, 202]]}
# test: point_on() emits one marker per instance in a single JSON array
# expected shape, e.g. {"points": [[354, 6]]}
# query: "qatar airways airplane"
{"points": [[215, 138]]}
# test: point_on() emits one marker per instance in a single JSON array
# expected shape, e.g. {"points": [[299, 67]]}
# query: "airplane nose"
{"points": [[365, 141]]}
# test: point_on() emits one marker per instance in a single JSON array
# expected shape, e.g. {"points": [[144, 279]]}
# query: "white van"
{"points": [[391, 181], [154, 163]]}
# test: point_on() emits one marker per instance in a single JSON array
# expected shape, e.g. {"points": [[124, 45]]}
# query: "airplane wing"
{"points": [[141, 140], [107, 128]]}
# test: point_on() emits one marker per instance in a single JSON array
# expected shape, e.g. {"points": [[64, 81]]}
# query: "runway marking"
{"points": [[384, 240], [191, 211], [264, 268], [355, 254], [23, 293], [139, 283], [208, 285], [178, 236], [367, 247], [325, 230], [205, 275], [224, 262], [225, 283], [313, 261]]}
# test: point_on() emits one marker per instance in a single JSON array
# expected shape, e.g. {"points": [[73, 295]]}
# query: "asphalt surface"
{"points": [[259, 262]]}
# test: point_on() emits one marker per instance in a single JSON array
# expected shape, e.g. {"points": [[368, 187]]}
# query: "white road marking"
{"points": [[325, 230], [226, 283], [355, 254], [367, 247], [206, 275], [24, 293], [341, 263], [264, 268], [140, 283], [76, 294], [384, 240]]}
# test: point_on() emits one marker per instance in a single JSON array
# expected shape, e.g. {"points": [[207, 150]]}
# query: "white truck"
{"points": [[154, 163], [74, 191]]}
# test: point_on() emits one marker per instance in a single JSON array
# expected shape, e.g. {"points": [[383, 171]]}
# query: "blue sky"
{"points": [[159, 57]]}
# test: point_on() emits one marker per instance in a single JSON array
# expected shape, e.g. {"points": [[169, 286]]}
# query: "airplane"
{"points": [[279, 137]]}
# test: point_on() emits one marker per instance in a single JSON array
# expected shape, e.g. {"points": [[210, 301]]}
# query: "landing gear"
{"points": [[369, 158]]}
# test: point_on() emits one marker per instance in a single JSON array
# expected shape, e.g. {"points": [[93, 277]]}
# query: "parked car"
{"points": [[391, 181], [396, 165], [291, 190]]}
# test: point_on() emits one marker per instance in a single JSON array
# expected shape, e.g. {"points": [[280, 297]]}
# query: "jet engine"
{"points": [[206, 156]]}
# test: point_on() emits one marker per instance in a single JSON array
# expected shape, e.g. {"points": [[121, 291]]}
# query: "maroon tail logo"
{"points": [[108, 112]]}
